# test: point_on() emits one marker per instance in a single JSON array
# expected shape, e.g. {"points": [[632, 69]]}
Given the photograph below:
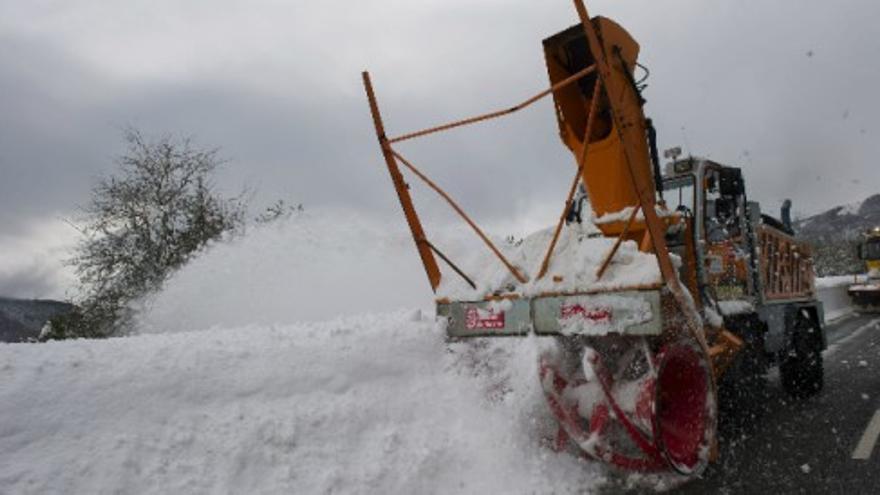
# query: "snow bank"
{"points": [[834, 281], [372, 404], [832, 291]]}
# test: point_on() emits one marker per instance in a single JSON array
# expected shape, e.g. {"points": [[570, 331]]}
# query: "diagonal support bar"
{"points": [[452, 265], [610, 256], [409, 211], [516, 273], [500, 113], [582, 162]]}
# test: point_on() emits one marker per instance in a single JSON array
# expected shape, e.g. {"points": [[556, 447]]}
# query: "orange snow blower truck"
{"points": [[639, 352]]}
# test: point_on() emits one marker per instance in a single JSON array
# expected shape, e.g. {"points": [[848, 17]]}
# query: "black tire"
{"points": [[742, 389], [801, 368]]}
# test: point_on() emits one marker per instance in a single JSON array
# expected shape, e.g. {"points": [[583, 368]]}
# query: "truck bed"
{"points": [[786, 265]]}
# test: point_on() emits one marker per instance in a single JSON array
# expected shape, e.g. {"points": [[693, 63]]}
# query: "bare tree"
{"points": [[279, 210], [140, 225]]}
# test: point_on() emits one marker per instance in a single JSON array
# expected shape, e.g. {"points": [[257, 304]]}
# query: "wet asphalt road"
{"points": [[806, 446]]}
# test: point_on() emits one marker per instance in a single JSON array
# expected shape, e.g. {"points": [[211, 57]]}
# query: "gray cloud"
{"points": [[31, 281], [49, 145], [784, 89]]}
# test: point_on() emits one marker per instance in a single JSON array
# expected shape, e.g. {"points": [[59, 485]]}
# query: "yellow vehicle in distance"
{"points": [[865, 293]]}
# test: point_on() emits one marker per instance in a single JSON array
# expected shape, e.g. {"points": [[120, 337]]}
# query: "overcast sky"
{"points": [[787, 89]]}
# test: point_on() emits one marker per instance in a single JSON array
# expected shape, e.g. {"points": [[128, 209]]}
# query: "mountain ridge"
{"points": [[835, 234], [22, 319]]}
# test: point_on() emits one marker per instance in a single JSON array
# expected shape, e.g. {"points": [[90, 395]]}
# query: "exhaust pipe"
{"points": [[786, 214]]}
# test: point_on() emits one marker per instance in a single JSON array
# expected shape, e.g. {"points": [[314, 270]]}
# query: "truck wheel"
{"points": [[742, 390], [801, 368]]}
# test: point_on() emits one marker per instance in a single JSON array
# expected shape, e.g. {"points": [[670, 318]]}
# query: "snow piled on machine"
{"points": [[579, 253], [373, 403]]}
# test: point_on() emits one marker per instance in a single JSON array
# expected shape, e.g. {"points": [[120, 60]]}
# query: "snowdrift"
{"points": [[247, 402], [372, 404]]}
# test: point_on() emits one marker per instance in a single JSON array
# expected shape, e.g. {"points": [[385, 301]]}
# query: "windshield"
{"points": [[872, 250], [679, 194]]}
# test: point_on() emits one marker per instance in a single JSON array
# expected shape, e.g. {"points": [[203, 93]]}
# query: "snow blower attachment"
{"points": [[632, 379]]}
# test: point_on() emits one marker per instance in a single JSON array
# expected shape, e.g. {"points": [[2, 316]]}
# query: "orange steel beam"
{"points": [[522, 279], [412, 218], [500, 113], [630, 133], [582, 160], [610, 256]]}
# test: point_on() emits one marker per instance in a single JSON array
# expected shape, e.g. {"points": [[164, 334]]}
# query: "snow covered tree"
{"points": [[140, 225]]}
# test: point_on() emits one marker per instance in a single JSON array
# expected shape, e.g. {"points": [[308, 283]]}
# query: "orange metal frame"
{"points": [[645, 188], [392, 156]]}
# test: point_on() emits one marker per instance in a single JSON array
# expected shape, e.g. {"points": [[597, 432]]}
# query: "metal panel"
{"points": [[480, 319], [628, 313], [635, 312]]}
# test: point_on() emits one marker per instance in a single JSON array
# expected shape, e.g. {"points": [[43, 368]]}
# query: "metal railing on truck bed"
{"points": [[786, 266]]}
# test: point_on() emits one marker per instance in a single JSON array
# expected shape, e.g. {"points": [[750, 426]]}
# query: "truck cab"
{"points": [[747, 270], [715, 225]]}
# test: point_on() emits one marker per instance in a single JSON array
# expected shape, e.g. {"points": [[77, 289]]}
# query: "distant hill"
{"points": [[22, 319], [835, 234]]}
